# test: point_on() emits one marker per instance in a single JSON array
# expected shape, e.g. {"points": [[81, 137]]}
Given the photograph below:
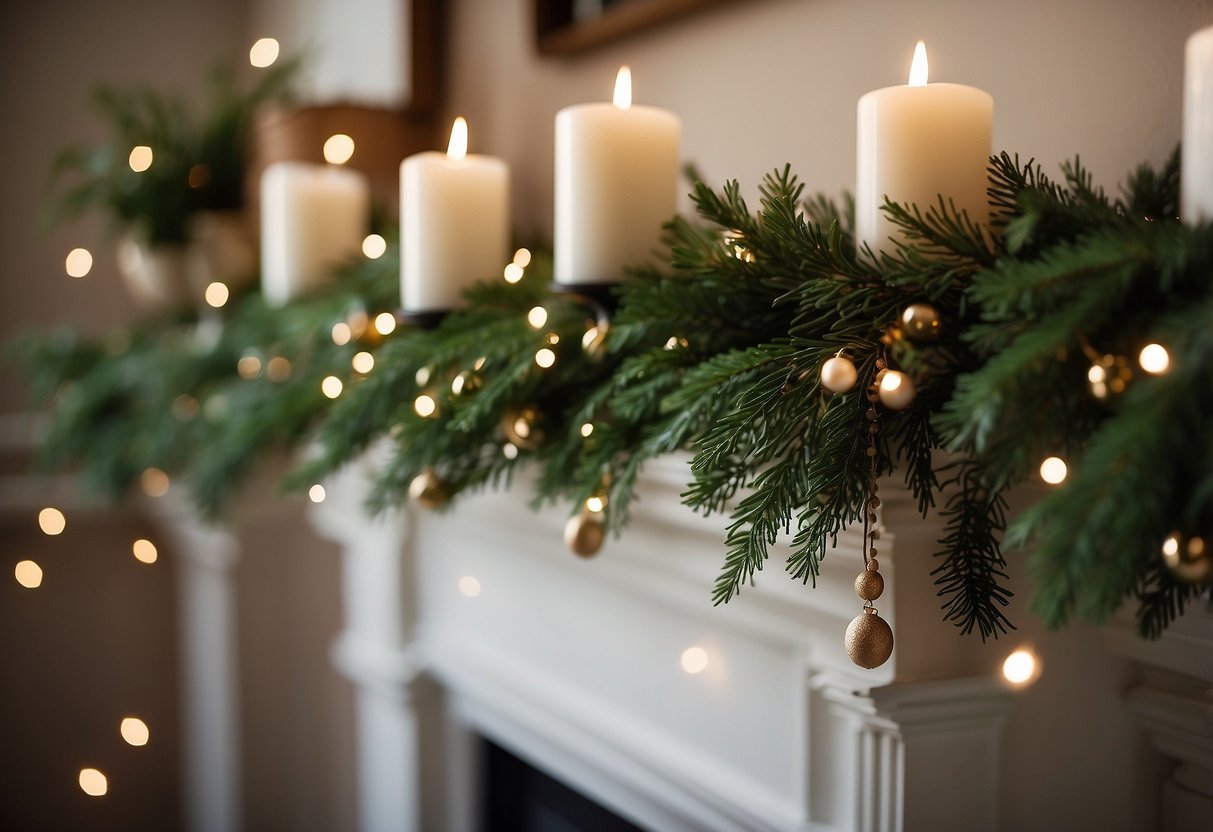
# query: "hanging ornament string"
{"points": [[869, 638]]}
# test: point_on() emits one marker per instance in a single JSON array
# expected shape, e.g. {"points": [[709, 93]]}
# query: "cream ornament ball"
{"points": [[838, 374], [896, 389]]}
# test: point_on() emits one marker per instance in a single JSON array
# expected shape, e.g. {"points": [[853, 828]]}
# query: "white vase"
{"points": [[155, 275], [220, 250]]}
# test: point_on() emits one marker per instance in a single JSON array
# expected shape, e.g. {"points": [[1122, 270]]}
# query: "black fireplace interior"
{"points": [[520, 798]]}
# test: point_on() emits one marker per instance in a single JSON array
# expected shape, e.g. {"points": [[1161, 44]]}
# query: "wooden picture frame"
{"points": [[561, 28]]}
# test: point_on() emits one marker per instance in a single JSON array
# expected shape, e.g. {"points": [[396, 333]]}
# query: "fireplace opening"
{"points": [[520, 798]]}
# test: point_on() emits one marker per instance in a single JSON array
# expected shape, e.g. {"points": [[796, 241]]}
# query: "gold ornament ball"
{"points": [[869, 640], [521, 427], [584, 535], [1188, 558], [920, 322], [896, 390], [838, 374], [869, 585], [427, 489]]}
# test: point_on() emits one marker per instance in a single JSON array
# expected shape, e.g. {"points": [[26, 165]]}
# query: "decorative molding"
{"points": [[652, 778]]}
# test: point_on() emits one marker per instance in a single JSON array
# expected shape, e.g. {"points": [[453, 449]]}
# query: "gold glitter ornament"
{"points": [[869, 639], [428, 490], [521, 427], [584, 534]]}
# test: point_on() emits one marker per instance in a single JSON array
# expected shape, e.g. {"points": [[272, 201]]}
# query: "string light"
{"points": [[140, 158], [331, 387], [154, 482], [552, 338], [316, 493], [595, 504], [1053, 470], [422, 376], [263, 53], [363, 362], [338, 149], [79, 262], [1154, 359], [385, 323], [425, 406], [51, 521], [537, 317], [374, 246], [28, 574], [545, 358], [93, 782], [513, 273], [694, 660], [469, 586], [587, 429], [217, 294], [522, 258], [341, 333], [135, 731], [509, 450], [144, 551], [1021, 668]]}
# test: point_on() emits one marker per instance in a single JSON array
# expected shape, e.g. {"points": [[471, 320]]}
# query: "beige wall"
{"points": [[98, 639], [762, 82]]}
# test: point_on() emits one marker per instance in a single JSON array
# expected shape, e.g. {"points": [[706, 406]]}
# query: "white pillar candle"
{"points": [[617, 170], [917, 142], [454, 223], [313, 217], [1196, 204]]}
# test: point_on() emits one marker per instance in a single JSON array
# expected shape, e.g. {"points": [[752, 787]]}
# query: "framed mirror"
{"points": [[565, 27]]}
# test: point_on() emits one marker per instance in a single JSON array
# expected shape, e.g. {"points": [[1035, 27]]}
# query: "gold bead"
{"points": [[869, 640], [869, 585], [920, 322], [872, 565], [584, 535], [428, 490]]}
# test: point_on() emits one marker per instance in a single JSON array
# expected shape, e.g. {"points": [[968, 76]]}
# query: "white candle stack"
{"points": [[454, 223], [617, 170], [917, 142], [312, 218], [1196, 180]]}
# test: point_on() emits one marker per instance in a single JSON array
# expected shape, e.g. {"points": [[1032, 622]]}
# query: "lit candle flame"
{"points": [[457, 150], [623, 88], [918, 67]]}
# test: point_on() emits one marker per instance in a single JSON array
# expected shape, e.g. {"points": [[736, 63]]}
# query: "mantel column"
{"points": [[923, 755], [207, 556], [374, 651]]}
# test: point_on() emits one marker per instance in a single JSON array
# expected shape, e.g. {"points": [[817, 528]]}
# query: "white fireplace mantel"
{"points": [[574, 666]]}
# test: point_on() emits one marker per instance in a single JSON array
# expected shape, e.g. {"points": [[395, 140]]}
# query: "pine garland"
{"points": [[719, 352]]}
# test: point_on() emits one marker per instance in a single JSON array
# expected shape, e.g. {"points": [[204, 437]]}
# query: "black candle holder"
{"points": [[424, 319], [601, 296]]}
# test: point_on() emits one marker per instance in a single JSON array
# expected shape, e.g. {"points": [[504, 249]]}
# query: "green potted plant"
{"points": [[171, 184]]}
